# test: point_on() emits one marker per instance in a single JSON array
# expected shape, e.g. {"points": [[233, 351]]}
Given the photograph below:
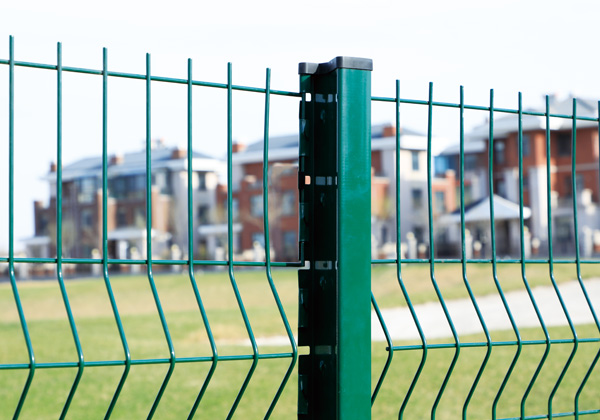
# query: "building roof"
{"points": [[508, 123], [286, 147], [479, 211], [134, 163], [471, 146]]}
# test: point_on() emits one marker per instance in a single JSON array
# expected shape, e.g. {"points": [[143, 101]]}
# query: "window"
{"points": [[87, 189], [499, 156], [130, 186], [415, 160], [419, 234], [443, 164], [470, 162], [203, 212], [43, 225], [526, 145], [256, 205], [201, 181], [562, 228], [564, 143], [288, 203], [417, 198], [121, 217], [440, 202], [525, 182], [501, 188], [569, 184], [87, 220]]}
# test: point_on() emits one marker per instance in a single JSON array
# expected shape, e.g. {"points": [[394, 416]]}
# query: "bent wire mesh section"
{"points": [[511, 339], [120, 378]]}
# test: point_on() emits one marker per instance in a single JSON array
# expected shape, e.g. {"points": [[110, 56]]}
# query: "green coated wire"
{"points": [[464, 344], [211, 338], [388, 338], [11, 234], [464, 258], [294, 264], [438, 292], [111, 296], [230, 244], [161, 313], [288, 328], [164, 361], [577, 252], [59, 274], [154, 78], [405, 293], [551, 267], [494, 262], [523, 272], [390, 346]]}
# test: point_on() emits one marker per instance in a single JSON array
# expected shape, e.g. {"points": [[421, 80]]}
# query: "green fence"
{"points": [[214, 359], [341, 372]]}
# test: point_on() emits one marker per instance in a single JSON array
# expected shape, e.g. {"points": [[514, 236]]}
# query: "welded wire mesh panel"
{"points": [[501, 328], [177, 337]]}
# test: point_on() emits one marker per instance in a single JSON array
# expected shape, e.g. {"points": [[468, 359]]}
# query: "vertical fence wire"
{"points": [[436, 287], [59, 270], [190, 203], [105, 276], [464, 258], [11, 229], [495, 263], [551, 266], [149, 273], [380, 318], [238, 296], [268, 272], [405, 293], [523, 270]]}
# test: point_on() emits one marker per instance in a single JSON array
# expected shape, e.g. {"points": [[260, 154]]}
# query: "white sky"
{"points": [[537, 47]]}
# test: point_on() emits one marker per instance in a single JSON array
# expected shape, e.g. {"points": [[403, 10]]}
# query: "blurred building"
{"points": [[506, 172], [126, 206], [283, 187]]}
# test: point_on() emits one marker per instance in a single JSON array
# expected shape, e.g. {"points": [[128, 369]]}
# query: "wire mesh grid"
{"points": [[518, 372], [479, 372], [22, 402]]}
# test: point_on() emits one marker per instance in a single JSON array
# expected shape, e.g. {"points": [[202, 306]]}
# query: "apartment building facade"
{"points": [[126, 205], [283, 187], [506, 171]]}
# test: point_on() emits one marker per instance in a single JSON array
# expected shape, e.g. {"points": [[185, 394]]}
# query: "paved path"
{"points": [[401, 326], [431, 316]]}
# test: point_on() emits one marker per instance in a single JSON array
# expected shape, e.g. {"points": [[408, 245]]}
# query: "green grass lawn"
{"points": [[52, 342]]}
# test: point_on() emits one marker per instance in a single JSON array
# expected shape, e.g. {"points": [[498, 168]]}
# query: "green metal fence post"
{"points": [[335, 184]]}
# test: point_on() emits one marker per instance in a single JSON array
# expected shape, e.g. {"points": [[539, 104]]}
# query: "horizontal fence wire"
{"points": [[214, 359], [396, 352]]}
